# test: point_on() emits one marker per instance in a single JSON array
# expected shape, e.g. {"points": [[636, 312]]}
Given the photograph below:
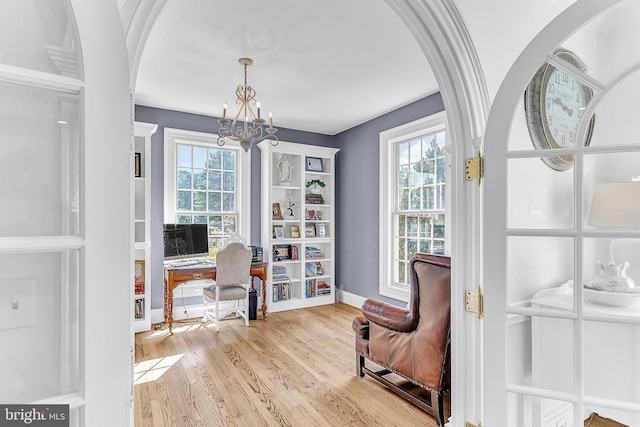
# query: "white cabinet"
{"points": [[610, 369], [141, 189], [298, 224]]}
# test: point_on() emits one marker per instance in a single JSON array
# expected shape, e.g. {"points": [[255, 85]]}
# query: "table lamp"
{"points": [[616, 205]]}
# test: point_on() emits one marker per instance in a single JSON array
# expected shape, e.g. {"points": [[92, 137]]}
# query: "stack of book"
{"points": [[314, 199], [323, 288], [311, 252], [279, 273], [281, 292]]}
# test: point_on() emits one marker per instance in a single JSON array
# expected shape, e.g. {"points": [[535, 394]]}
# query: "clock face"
{"points": [[564, 102], [555, 102]]}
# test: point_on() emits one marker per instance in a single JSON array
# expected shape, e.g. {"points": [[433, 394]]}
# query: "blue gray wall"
{"points": [[357, 183], [357, 172]]}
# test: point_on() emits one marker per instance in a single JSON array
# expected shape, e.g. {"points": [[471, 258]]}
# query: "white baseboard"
{"points": [[352, 299], [196, 310]]}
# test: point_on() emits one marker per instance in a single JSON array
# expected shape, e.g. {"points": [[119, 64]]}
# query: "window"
{"points": [[413, 199], [206, 183]]}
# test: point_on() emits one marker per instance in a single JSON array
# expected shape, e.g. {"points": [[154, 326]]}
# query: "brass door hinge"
{"points": [[474, 302], [468, 424], [475, 169]]}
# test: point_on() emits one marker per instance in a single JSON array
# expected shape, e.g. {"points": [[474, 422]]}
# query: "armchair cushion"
{"points": [[389, 316]]}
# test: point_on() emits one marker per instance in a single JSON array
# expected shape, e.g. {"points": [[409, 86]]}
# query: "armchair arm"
{"points": [[389, 316]]}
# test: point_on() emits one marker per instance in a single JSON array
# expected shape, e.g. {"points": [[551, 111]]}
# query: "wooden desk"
{"points": [[174, 276]]}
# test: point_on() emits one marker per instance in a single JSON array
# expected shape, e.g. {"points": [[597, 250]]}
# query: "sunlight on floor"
{"points": [[177, 329], [151, 370]]}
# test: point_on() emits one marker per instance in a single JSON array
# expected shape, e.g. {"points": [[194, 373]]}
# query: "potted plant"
{"points": [[315, 186]]}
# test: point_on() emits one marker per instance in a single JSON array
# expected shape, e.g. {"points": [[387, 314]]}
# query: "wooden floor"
{"points": [[296, 368]]}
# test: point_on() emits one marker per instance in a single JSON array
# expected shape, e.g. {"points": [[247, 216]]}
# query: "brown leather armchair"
{"points": [[412, 342]]}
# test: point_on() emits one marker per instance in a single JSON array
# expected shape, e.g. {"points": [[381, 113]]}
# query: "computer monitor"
{"points": [[185, 241]]}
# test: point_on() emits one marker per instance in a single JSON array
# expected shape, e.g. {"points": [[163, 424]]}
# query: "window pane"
{"points": [[39, 188], [229, 181], [428, 198], [215, 180], [215, 201], [185, 219], [215, 224], [183, 156], [403, 176], [403, 153], [415, 198], [215, 159], [199, 157], [199, 179], [184, 200], [229, 160], [200, 201], [229, 224], [412, 226], [403, 201], [415, 151], [228, 202], [47, 289], [184, 179]]}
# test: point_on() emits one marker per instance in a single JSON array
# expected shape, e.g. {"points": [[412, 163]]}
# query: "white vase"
{"points": [[315, 189]]}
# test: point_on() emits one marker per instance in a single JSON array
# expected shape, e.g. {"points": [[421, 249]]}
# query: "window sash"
{"points": [[412, 188], [196, 165]]}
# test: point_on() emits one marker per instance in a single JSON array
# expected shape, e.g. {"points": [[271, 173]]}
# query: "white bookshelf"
{"points": [[291, 283]]}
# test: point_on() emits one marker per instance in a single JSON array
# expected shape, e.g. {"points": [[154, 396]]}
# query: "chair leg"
{"points": [[437, 403], [359, 364], [217, 314]]}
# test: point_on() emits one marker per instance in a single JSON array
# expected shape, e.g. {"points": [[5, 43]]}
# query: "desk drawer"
{"points": [[184, 275]]}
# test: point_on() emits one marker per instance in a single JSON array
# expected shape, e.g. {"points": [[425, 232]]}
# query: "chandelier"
{"points": [[251, 128]]}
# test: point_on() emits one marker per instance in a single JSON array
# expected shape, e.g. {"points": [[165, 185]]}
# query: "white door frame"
{"points": [[108, 273], [440, 32], [507, 99]]}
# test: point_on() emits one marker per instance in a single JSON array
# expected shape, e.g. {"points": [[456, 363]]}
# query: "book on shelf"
{"points": [[310, 288], [281, 292], [314, 199], [311, 252]]}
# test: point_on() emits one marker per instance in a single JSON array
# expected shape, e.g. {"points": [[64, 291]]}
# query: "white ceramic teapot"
{"points": [[613, 278]]}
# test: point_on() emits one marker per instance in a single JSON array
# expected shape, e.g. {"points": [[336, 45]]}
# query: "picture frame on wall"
{"points": [[137, 165], [314, 164]]}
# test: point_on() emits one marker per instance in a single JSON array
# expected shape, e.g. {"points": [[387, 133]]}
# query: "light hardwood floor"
{"points": [[296, 368]]}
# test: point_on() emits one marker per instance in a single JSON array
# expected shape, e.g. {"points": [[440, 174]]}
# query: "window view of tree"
{"points": [[206, 190], [420, 200]]}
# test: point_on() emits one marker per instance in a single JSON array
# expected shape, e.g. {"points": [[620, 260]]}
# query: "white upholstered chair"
{"points": [[233, 280]]}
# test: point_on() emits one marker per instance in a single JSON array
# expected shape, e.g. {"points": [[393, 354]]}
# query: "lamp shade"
{"points": [[616, 205]]}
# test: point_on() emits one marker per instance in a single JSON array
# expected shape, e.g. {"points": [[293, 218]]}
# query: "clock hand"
{"points": [[566, 109]]}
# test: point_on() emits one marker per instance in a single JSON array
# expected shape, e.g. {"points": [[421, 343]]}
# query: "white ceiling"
{"points": [[319, 66]]}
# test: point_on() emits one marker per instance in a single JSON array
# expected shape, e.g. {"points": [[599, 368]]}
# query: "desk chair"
{"points": [[233, 264]]}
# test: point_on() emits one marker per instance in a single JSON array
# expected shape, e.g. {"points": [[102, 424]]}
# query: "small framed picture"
{"points": [[138, 167], [310, 230], [139, 272], [278, 232], [321, 230], [277, 213], [281, 252], [314, 164], [295, 231]]}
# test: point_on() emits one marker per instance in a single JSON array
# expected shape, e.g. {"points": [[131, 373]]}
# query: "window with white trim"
{"points": [[413, 199], [206, 183]]}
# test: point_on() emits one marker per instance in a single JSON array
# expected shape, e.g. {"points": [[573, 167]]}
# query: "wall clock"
{"points": [[554, 103]]}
